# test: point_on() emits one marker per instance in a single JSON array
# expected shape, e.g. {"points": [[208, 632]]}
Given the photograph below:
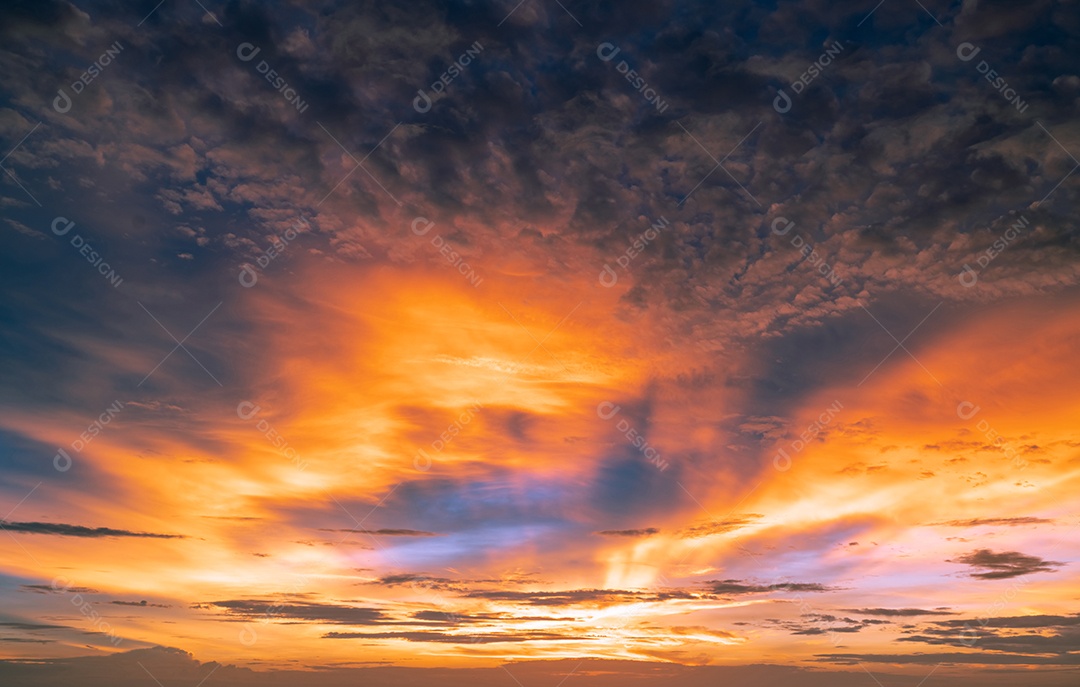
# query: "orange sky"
{"points": [[359, 374]]}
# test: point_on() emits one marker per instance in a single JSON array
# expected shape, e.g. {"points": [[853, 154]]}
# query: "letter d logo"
{"points": [[782, 102], [966, 410], [606, 51], [248, 277], [777, 230], [421, 231], [968, 277], [62, 102], [421, 461], [247, 635], [607, 410], [608, 277], [246, 410], [247, 52], [61, 461], [61, 220], [967, 51], [781, 465], [419, 105]]}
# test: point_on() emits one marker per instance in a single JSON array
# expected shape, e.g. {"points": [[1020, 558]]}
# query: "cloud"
{"points": [[730, 587], [456, 638], [897, 612], [62, 530], [50, 589], [311, 612], [386, 532], [719, 526], [1051, 634], [419, 580], [601, 597], [647, 532], [1009, 522], [962, 658], [31, 626], [1000, 566]]}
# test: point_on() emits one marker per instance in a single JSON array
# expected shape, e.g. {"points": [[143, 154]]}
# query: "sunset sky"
{"points": [[493, 342]]}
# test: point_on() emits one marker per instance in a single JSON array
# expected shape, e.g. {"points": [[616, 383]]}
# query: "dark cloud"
{"points": [[600, 597], [50, 589], [898, 612], [62, 530], [1010, 522], [1000, 566], [1018, 621], [387, 532], [420, 580], [310, 612], [932, 659], [456, 638], [31, 626], [732, 587], [719, 526], [647, 532]]}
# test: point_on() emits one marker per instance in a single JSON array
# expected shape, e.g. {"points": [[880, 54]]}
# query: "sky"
{"points": [[541, 342]]}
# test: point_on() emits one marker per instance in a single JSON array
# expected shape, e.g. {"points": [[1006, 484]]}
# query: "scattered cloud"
{"points": [[63, 530], [1000, 566]]}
